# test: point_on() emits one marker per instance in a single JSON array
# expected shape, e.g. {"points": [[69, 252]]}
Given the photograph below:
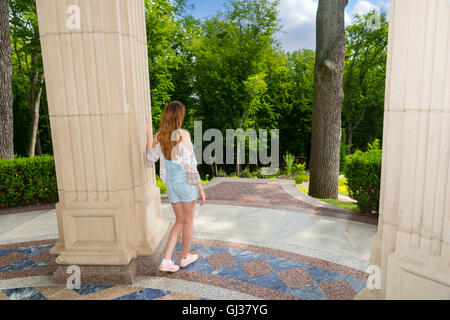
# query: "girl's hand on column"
{"points": [[149, 133], [202, 194], [148, 127]]}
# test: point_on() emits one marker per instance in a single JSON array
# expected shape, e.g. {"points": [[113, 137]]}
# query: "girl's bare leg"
{"points": [[188, 227], [177, 228]]}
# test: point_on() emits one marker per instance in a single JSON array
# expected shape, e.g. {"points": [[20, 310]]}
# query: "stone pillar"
{"points": [[412, 246], [99, 96]]}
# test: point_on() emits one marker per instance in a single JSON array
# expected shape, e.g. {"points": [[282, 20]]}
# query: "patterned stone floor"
{"points": [[234, 263], [255, 271]]}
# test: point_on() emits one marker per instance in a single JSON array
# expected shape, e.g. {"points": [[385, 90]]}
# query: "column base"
{"points": [[368, 294], [100, 275], [114, 274], [148, 265]]}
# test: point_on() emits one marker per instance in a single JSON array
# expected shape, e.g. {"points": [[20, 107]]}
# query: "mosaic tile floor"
{"points": [[253, 270], [91, 292]]}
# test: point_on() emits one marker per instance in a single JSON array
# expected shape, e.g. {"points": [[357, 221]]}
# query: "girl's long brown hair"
{"points": [[169, 130]]}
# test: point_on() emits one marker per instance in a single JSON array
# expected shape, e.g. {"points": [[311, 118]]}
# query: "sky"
{"points": [[297, 17]]}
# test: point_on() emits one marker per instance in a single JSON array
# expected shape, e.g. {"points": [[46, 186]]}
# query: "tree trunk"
{"points": [[36, 100], [6, 96], [328, 97]]}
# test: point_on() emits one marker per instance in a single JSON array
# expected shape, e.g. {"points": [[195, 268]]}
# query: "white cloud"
{"points": [[384, 6], [347, 18], [298, 18], [362, 7], [294, 13]]}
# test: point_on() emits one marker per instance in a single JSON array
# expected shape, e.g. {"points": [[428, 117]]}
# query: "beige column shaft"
{"points": [[99, 96], [412, 245]]}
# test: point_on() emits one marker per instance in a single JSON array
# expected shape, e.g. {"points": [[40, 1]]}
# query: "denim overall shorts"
{"points": [[178, 189]]}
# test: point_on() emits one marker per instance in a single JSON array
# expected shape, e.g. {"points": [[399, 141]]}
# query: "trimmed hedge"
{"points": [[363, 173], [27, 181]]}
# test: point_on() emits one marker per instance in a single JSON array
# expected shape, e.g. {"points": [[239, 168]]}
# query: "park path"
{"points": [[257, 239]]}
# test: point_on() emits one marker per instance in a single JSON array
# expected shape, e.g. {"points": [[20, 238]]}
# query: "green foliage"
{"points": [[289, 161], [246, 173], [364, 80], [301, 175], [343, 190], [301, 179], [342, 204], [295, 92], [363, 173], [27, 77], [230, 71], [299, 168], [169, 33], [162, 187], [303, 189], [27, 181], [236, 60]]}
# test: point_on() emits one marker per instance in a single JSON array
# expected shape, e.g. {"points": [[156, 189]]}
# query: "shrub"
{"points": [[363, 173], [301, 179], [162, 187], [245, 173], [289, 160], [27, 181], [299, 169], [343, 185]]}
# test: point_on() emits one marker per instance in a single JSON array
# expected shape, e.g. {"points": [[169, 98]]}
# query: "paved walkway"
{"points": [[257, 239]]}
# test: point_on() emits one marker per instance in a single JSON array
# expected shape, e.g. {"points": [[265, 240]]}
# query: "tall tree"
{"points": [[295, 128], [28, 60], [6, 96], [168, 31], [233, 58], [364, 80], [328, 97]]}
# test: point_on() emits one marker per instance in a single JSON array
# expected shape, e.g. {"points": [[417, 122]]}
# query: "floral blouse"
{"points": [[185, 158]]}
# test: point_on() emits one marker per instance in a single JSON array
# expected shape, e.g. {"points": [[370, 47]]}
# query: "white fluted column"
{"points": [[412, 245], [99, 96]]}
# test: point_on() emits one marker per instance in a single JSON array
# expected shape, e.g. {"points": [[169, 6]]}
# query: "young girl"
{"points": [[178, 170]]}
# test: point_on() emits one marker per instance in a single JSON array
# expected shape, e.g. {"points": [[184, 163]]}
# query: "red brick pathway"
{"points": [[273, 196], [254, 192]]}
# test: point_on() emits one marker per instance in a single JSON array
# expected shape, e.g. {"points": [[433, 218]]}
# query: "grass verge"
{"points": [[341, 204]]}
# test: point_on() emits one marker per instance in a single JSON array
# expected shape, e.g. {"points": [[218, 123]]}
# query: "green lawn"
{"points": [[342, 186], [343, 191], [342, 204]]}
